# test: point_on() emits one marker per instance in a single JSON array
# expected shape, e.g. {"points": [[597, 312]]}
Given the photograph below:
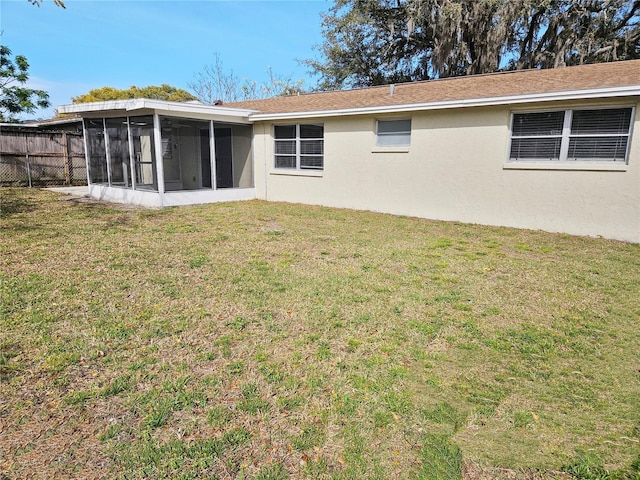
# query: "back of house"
{"points": [[539, 149]]}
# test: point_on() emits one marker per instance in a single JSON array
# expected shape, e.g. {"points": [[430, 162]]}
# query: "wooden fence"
{"points": [[41, 158]]}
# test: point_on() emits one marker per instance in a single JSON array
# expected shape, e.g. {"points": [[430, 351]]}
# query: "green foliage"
{"points": [[392, 41], [15, 98], [162, 92]]}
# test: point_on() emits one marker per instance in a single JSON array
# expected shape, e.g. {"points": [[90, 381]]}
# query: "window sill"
{"points": [[390, 150], [297, 173], [584, 166]]}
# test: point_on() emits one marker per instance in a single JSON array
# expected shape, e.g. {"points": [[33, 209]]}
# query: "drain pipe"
{"points": [[264, 150]]}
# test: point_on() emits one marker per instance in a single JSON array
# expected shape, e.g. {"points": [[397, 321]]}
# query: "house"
{"points": [[540, 149]]}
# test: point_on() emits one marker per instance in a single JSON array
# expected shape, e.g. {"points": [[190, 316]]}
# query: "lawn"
{"points": [[257, 340]]}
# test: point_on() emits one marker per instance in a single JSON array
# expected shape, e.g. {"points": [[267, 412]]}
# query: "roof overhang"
{"points": [[198, 110], [237, 115], [626, 91]]}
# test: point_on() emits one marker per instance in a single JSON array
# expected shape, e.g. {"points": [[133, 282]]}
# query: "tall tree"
{"points": [[163, 92], [15, 97], [372, 42], [214, 83], [59, 3]]}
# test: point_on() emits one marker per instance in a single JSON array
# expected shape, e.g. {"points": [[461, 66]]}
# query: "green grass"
{"points": [[257, 340]]}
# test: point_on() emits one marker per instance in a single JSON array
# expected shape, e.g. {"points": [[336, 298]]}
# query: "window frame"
{"points": [[564, 160], [379, 145], [297, 155]]}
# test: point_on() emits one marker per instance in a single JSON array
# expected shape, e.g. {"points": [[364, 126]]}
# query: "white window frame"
{"points": [[298, 141], [564, 160], [394, 145]]}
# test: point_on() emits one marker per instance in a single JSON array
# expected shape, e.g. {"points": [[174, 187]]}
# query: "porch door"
{"points": [[224, 160], [205, 158]]}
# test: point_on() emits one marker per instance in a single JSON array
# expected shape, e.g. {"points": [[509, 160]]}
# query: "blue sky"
{"points": [[119, 43]]}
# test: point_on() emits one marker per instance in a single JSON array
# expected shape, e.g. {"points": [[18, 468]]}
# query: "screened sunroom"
{"points": [[158, 153]]}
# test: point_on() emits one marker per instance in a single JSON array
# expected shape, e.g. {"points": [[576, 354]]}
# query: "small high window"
{"points": [[299, 146], [598, 135], [393, 133]]}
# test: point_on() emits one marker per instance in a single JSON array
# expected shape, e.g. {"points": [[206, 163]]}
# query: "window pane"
{"points": [[311, 131], [396, 139], [286, 147], [598, 148], [311, 147], [602, 121], [96, 151], [394, 126], [309, 162], [285, 131], [283, 161], [545, 123], [535, 148]]}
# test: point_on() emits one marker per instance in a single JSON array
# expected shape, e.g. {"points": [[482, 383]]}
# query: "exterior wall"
{"points": [[455, 170], [242, 156]]}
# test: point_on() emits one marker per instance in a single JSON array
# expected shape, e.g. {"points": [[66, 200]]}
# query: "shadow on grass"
{"points": [[11, 203]]}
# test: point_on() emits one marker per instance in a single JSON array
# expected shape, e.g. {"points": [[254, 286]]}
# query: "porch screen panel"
{"points": [[119, 152], [96, 151], [144, 156]]}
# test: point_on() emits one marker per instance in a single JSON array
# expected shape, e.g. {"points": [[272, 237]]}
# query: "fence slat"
{"points": [[41, 158]]}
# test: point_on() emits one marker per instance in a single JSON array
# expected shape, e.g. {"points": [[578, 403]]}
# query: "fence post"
{"points": [[28, 170], [66, 159]]}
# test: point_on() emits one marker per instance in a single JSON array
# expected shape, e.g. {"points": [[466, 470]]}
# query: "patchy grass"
{"points": [[259, 340]]}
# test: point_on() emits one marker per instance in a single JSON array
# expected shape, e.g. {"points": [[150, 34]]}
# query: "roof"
{"points": [[166, 107], [44, 123], [585, 81]]}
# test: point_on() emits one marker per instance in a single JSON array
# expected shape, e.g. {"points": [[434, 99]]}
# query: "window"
{"points": [[393, 133], [299, 147], [598, 135]]}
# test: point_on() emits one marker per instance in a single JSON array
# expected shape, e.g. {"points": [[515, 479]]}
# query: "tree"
{"points": [[15, 97], [372, 42], [163, 92], [213, 84], [37, 3]]}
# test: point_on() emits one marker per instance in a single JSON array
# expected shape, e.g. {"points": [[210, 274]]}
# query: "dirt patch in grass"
{"points": [[265, 340]]}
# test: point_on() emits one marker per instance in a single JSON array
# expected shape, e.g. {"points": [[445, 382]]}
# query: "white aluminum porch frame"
{"points": [[169, 199], [162, 198]]}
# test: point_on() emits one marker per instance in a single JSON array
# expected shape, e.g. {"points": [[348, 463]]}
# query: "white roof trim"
{"points": [[596, 93], [254, 115], [145, 103]]}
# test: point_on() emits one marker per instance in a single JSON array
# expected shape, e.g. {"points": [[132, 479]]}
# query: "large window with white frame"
{"points": [[299, 146], [572, 135], [393, 133]]}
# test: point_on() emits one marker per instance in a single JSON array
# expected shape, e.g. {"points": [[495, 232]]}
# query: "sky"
{"points": [[120, 43]]}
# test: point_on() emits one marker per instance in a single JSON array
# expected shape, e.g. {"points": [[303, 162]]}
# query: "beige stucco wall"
{"points": [[242, 157], [454, 170]]}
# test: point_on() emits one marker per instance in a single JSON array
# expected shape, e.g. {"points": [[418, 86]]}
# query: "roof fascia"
{"points": [[633, 90], [158, 105]]}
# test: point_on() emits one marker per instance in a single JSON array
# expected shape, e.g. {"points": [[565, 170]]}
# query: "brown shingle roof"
{"points": [[505, 84]]}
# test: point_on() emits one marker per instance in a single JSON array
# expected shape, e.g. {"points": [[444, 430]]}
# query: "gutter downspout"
{"points": [[264, 150]]}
